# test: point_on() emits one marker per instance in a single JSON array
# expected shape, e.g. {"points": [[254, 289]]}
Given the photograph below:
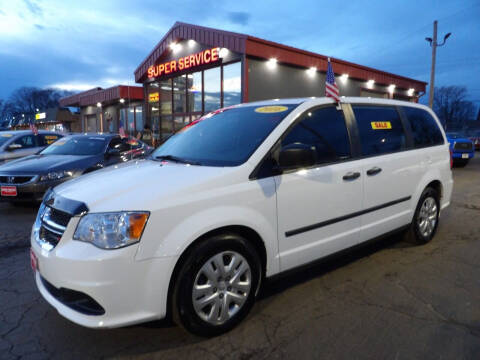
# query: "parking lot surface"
{"points": [[391, 300]]}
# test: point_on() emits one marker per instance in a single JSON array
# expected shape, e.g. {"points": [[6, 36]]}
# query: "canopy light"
{"points": [[410, 92], [370, 83], [223, 52], [175, 46], [272, 63], [391, 88], [344, 77], [99, 104], [122, 100], [191, 43], [312, 71]]}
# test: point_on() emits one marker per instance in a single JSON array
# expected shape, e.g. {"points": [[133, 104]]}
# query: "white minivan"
{"points": [[241, 195]]}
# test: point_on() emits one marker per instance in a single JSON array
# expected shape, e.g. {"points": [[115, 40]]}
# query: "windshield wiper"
{"points": [[176, 159]]}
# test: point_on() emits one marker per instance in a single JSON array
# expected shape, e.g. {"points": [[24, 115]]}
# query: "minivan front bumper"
{"points": [[112, 288]]}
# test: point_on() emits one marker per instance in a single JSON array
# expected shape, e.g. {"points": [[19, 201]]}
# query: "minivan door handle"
{"points": [[351, 176], [373, 171]]}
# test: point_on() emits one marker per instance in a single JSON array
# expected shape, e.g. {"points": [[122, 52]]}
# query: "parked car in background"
{"points": [[247, 193], [20, 143], [475, 138], [28, 178], [461, 148]]}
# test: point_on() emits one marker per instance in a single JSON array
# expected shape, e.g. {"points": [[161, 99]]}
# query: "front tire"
{"points": [[216, 286], [425, 219]]}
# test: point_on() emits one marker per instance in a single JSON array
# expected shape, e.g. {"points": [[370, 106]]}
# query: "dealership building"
{"points": [[194, 70], [103, 110]]}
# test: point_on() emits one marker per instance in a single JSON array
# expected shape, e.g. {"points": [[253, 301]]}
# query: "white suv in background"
{"points": [[243, 194]]}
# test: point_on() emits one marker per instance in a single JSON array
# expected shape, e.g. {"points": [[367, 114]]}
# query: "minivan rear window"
{"points": [[425, 130], [381, 130]]}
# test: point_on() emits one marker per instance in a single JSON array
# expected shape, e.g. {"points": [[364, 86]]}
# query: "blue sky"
{"points": [[76, 45]]}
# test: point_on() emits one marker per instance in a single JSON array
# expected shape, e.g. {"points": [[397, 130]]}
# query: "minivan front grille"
{"points": [[15, 179], [463, 146], [59, 217], [53, 225]]}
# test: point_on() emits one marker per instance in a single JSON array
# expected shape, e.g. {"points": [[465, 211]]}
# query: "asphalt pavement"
{"points": [[391, 300]]}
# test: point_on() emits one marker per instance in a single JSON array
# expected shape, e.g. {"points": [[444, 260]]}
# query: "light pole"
{"points": [[434, 45]]}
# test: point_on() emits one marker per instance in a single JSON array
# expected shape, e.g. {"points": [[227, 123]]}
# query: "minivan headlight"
{"points": [[111, 230]]}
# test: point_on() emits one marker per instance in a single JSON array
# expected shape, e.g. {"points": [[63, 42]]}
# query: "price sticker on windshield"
{"points": [[271, 109], [381, 125], [59, 143], [6, 135]]}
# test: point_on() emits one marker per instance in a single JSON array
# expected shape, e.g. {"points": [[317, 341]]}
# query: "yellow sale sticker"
{"points": [[51, 137], [271, 109], [381, 125]]}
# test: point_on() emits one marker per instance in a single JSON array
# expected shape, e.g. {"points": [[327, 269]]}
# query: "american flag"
{"points": [[33, 127], [331, 88], [121, 130]]}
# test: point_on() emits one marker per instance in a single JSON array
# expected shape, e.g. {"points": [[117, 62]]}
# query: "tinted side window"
{"points": [[380, 128], [120, 144], [27, 141], [325, 130], [425, 129]]}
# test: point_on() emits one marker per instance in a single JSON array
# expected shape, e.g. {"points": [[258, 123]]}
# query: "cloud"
{"points": [[33, 7], [39, 27], [239, 17]]}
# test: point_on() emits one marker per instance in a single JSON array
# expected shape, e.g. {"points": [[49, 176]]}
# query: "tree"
{"points": [[24, 102], [452, 107]]}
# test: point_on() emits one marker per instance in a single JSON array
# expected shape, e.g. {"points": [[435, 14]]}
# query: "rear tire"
{"points": [[425, 219], [216, 286]]}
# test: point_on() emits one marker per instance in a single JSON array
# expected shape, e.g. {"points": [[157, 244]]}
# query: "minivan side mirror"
{"points": [[294, 156], [13, 147]]}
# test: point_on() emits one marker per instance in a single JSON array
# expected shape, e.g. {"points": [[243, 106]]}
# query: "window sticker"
{"points": [[7, 135], [59, 143], [381, 125], [51, 137], [96, 138], [271, 109]]}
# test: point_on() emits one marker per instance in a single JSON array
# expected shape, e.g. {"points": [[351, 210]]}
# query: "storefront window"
{"points": [[212, 89], [232, 84], [139, 118], [194, 82], [179, 91], [154, 110], [166, 124], [180, 121], [131, 120], [174, 102]]}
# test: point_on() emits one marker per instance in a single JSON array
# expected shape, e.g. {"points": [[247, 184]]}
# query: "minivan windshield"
{"points": [[77, 145], [227, 137]]}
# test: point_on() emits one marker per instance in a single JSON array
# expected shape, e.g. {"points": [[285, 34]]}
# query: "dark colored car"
{"points": [[27, 179], [21, 143], [461, 147]]}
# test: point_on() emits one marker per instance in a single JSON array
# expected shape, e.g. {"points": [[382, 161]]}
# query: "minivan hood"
{"points": [[140, 185]]}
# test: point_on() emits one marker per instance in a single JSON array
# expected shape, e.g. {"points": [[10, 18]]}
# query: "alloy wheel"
{"points": [[221, 287], [427, 217]]}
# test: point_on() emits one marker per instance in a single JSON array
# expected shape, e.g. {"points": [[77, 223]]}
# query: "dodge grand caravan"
{"points": [[246, 193]]}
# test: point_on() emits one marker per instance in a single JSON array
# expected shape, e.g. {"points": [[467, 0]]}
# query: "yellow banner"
{"points": [[153, 97], [381, 125]]}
